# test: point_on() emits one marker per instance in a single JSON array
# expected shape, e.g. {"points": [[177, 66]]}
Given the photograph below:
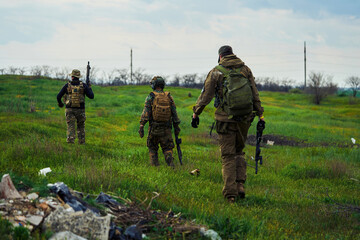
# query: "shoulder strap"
{"points": [[222, 69]]}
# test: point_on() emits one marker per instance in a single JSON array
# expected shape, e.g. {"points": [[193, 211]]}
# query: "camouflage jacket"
{"points": [[213, 88], [146, 115]]}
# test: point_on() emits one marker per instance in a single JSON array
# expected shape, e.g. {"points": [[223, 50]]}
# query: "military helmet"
{"points": [[75, 73], [157, 81]]}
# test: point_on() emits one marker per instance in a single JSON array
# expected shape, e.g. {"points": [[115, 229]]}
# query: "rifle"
{"points": [[178, 142], [88, 74], [259, 131]]}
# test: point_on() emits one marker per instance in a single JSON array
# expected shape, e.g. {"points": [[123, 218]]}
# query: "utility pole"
{"points": [[131, 70], [304, 64]]}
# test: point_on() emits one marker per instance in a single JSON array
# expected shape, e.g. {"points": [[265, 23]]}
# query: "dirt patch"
{"points": [[277, 140], [293, 142]]}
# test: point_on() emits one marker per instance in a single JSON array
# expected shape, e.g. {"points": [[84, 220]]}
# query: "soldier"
{"points": [[232, 121], [160, 112], [75, 91]]}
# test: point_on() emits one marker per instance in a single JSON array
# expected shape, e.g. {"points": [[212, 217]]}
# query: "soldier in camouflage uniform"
{"points": [[74, 95], [160, 125], [232, 132]]}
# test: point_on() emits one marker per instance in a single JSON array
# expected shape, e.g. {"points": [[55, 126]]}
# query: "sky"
{"points": [[183, 36]]}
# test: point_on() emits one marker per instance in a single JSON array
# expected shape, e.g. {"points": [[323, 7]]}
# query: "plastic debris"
{"points": [[195, 172], [106, 200], [271, 143], [64, 193], [44, 171], [133, 233], [353, 140], [210, 234]]}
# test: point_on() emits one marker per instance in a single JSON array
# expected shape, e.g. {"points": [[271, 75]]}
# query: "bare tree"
{"points": [[12, 70], [354, 83], [22, 71], [36, 71], [189, 80], [46, 70], [122, 74], [2, 70], [320, 86], [140, 78]]}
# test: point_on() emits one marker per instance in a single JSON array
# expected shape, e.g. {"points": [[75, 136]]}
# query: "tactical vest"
{"points": [[237, 96], [161, 107], [75, 95]]}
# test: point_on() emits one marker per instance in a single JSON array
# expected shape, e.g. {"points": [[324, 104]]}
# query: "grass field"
{"points": [[292, 197]]}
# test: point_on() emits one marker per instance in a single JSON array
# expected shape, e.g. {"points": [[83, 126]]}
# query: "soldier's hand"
{"points": [[177, 130], [195, 121], [141, 131], [61, 104]]}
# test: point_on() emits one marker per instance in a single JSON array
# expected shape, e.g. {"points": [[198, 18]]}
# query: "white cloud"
{"points": [[270, 41]]}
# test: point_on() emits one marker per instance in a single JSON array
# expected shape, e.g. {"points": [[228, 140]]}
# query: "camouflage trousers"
{"points": [[75, 116], [232, 138], [167, 144]]}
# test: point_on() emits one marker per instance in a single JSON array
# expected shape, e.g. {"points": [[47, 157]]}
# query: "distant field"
{"points": [[292, 197]]}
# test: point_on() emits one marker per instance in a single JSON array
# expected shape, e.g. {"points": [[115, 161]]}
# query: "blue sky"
{"points": [[169, 37]]}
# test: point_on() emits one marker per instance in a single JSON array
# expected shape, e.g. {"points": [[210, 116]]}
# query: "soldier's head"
{"points": [[224, 51], [75, 74], [157, 82]]}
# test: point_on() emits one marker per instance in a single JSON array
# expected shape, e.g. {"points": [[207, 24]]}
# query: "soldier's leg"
{"points": [[241, 137], [81, 118], [153, 146], [70, 121], [167, 145], [227, 138]]}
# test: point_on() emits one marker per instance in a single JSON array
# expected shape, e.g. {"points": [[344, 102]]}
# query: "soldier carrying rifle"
{"points": [[160, 112], [237, 101], [74, 96]]}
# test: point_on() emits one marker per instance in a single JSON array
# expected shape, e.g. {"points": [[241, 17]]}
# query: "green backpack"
{"points": [[237, 97]]}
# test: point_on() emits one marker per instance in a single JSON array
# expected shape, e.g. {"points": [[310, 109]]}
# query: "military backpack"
{"points": [[237, 99], [75, 95], [161, 107]]}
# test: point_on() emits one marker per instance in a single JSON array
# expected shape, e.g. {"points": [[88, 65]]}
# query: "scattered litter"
{"points": [[195, 172], [210, 234], [271, 143], [32, 196], [106, 200], [133, 232], [44, 171], [354, 179], [353, 140]]}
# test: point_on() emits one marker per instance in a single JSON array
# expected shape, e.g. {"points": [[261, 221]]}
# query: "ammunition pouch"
{"points": [[158, 128]]}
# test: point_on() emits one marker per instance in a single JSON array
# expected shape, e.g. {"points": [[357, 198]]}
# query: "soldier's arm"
{"points": [[256, 97], [208, 91], [146, 114], [88, 91], [175, 118], [61, 93]]}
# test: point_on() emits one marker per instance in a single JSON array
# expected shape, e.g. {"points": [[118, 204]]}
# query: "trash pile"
{"points": [[68, 215]]}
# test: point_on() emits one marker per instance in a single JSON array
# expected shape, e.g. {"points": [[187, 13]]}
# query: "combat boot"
{"points": [[169, 159], [241, 189], [231, 200], [154, 161]]}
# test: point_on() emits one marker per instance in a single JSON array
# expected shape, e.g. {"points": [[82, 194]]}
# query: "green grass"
{"points": [[288, 199]]}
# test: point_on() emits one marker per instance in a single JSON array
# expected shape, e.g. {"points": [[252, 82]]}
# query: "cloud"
{"points": [[169, 38]]}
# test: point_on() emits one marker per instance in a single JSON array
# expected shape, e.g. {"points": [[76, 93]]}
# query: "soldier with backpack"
{"points": [[160, 112], [236, 101], [74, 96]]}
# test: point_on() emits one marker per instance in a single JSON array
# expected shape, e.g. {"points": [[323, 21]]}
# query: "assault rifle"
{"points": [[178, 142], [88, 74], [259, 131]]}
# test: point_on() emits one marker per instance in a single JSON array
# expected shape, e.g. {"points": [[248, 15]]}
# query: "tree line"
{"points": [[319, 84]]}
